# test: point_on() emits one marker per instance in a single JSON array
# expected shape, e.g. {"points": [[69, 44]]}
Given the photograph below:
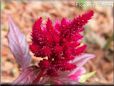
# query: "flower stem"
{"points": [[40, 74]]}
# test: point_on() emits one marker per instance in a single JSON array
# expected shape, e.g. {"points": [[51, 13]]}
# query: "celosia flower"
{"points": [[60, 47]]}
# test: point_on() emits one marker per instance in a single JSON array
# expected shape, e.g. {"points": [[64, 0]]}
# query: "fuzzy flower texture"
{"points": [[59, 45]]}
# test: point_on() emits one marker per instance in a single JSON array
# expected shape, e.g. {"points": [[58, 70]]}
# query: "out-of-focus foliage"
{"points": [[2, 5]]}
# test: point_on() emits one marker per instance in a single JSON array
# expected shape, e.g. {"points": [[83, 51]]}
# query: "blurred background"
{"points": [[99, 35]]}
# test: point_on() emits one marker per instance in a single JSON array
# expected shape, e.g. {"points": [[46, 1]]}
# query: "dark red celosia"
{"points": [[60, 43]]}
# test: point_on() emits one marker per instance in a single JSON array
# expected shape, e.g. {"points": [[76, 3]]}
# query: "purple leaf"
{"points": [[70, 78], [81, 57], [18, 45], [27, 75], [77, 74], [81, 60]]}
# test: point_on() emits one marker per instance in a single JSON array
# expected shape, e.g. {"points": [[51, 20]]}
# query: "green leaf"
{"points": [[82, 1], [86, 76], [2, 5], [84, 4]]}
